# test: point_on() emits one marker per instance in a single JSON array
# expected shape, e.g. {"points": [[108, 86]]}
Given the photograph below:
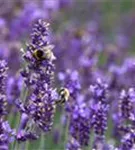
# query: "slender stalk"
{"points": [[26, 147], [22, 146], [66, 130], [42, 141], [91, 141], [23, 97]]}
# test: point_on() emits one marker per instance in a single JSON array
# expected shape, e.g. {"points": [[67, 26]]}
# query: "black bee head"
{"points": [[38, 54]]}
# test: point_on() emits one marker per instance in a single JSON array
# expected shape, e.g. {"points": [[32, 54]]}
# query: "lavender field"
{"points": [[67, 74]]}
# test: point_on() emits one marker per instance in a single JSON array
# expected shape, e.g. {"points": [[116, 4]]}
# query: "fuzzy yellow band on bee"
{"points": [[63, 96]]}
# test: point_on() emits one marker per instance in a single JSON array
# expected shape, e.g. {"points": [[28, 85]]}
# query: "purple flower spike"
{"points": [[3, 74], [6, 134], [39, 76], [42, 108], [126, 104], [99, 118], [40, 33], [80, 124], [128, 141]]}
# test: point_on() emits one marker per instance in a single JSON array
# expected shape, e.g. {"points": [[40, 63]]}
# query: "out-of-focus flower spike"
{"points": [[99, 91], [6, 135], [126, 104], [3, 75], [14, 87], [99, 118], [80, 124]]}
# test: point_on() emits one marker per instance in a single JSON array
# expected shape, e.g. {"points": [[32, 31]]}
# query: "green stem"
{"points": [[22, 146], [42, 141], [66, 131], [91, 141], [26, 145], [23, 97], [16, 146]]}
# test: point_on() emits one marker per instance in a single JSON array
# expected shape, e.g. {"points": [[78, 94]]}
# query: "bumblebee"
{"points": [[63, 96], [44, 54]]}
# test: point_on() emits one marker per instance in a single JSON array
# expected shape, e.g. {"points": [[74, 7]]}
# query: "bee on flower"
{"points": [[63, 95]]}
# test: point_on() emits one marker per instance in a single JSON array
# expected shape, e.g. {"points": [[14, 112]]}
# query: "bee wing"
{"points": [[48, 47]]}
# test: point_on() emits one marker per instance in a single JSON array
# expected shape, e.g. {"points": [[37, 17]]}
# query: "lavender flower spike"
{"points": [[128, 141], [3, 74], [5, 130], [6, 134], [39, 75], [99, 118], [126, 104]]}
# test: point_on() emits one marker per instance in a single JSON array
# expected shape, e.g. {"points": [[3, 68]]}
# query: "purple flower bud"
{"points": [[56, 136], [23, 121], [73, 144], [14, 86]]}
